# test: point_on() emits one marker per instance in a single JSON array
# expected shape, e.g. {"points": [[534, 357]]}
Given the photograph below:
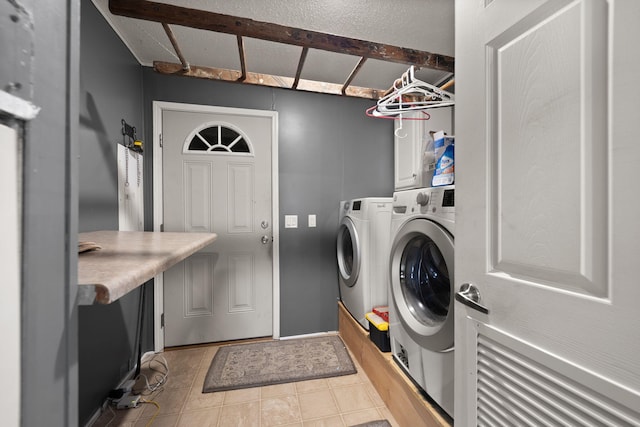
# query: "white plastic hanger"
{"points": [[412, 94]]}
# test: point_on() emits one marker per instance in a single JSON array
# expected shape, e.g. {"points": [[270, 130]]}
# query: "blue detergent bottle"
{"points": [[445, 165]]}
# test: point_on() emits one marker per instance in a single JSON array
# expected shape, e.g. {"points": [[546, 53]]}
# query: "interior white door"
{"points": [[547, 226], [217, 178]]}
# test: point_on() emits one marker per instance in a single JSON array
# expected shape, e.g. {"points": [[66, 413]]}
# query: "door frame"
{"points": [[158, 217]]}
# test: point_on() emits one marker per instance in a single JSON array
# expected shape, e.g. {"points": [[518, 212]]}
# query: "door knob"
{"points": [[469, 295], [265, 240]]}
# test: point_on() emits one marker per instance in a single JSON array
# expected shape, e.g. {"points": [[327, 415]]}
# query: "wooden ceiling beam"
{"points": [[223, 74], [205, 20]]}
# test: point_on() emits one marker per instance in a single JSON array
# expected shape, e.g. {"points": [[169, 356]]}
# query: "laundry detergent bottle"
{"points": [[445, 164]]}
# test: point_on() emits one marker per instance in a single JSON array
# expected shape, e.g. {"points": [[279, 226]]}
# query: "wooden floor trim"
{"points": [[402, 397]]}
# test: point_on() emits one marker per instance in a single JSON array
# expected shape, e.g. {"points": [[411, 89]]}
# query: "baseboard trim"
{"points": [[402, 397], [315, 334]]}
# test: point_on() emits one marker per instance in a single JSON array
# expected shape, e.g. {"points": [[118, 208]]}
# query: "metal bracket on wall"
{"points": [[129, 138]]}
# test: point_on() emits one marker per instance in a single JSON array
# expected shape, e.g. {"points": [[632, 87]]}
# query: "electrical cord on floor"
{"points": [[160, 377], [157, 405], [159, 368]]}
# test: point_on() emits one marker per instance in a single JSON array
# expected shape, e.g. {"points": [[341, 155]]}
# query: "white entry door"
{"points": [[217, 178], [548, 217]]}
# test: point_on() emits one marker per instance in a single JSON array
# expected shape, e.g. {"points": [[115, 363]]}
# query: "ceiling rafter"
{"points": [[347, 83], [243, 59], [176, 47], [167, 14], [303, 57], [224, 74]]}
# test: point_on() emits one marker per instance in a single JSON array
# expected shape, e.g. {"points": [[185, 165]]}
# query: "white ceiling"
{"points": [[426, 25]]}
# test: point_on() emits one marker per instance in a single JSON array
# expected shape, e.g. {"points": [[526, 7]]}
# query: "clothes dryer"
{"points": [[421, 297], [363, 250]]}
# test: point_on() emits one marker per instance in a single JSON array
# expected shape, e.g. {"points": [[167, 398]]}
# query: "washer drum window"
{"points": [[424, 280], [348, 252], [421, 273]]}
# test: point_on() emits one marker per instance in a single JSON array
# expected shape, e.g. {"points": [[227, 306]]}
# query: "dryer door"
{"points": [[422, 258], [349, 253]]}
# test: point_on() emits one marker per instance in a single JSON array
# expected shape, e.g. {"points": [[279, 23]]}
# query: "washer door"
{"points": [[422, 262], [348, 252]]}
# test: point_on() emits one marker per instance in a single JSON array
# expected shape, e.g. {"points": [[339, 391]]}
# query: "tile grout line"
{"points": [[335, 401], [219, 416], [189, 392], [295, 389], [193, 384], [260, 409], [363, 384]]}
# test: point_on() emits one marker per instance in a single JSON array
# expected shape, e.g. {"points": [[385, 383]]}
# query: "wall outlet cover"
{"points": [[291, 221]]}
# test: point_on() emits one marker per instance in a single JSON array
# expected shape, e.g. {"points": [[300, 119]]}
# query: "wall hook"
{"points": [[399, 128]]}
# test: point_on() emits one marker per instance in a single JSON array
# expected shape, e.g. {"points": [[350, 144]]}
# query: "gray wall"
{"points": [[49, 368], [110, 90], [328, 151]]}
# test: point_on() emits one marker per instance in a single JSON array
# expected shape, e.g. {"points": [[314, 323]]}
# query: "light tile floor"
{"points": [[340, 401]]}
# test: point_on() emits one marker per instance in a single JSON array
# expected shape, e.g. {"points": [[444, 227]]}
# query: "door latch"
{"points": [[469, 295]]}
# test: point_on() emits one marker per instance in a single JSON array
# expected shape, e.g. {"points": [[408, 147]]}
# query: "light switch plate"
{"points": [[291, 221], [312, 221]]}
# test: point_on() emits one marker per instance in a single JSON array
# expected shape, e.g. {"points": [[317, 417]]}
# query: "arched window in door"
{"points": [[218, 138]]}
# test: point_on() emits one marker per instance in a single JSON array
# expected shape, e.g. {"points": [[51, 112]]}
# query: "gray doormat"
{"points": [[276, 362]]}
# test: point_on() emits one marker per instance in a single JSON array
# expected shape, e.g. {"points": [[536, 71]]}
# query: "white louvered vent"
{"points": [[514, 390]]}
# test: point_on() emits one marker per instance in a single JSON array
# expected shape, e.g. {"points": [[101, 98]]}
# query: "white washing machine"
{"points": [[421, 297], [363, 251]]}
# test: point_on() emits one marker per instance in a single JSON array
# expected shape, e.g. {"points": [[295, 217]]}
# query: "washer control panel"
{"points": [[422, 198], [436, 201]]}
